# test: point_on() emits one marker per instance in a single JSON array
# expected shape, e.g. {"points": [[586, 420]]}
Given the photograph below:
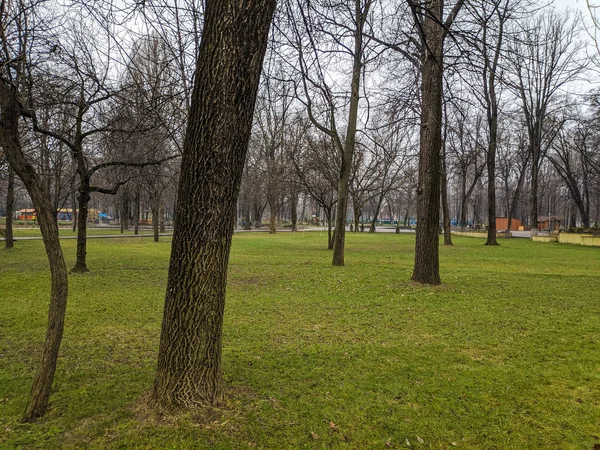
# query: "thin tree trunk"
{"points": [[294, 209], [74, 208], [155, 220], [83, 198], [9, 140], [136, 208], [348, 147], [228, 69], [535, 167], [10, 202], [445, 206]]}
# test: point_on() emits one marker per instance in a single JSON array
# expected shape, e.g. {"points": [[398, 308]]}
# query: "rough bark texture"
{"points": [[227, 74], [10, 202], [491, 169], [427, 268], [9, 140]]}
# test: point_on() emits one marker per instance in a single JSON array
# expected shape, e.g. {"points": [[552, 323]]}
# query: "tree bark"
{"points": [[74, 207], [426, 267], [339, 236], [9, 140], [155, 220], [136, 208], [228, 69], [445, 206], [10, 202], [83, 199]]}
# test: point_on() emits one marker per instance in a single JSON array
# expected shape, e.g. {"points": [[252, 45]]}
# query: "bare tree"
{"points": [[544, 57], [432, 29], [15, 62], [342, 27]]}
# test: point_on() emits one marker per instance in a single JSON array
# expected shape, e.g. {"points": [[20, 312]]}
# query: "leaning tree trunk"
{"points": [[339, 236], [427, 268], [9, 140], [10, 202], [83, 198], [228, 69]]}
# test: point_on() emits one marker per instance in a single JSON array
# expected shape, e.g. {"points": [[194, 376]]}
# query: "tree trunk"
{"points": [[535, 168], [9, 140], [74, 208], [272, 213], [83, 198], [491, 169], [348, 149], [426, 267], [162, 218], [155, 220], [294, 209], [136, 208], [228, 68], [330, 233], [445, 206], [10, 202]]}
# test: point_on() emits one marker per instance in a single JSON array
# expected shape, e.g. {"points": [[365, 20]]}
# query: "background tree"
{"points": [[544, 57], [18, 53]]}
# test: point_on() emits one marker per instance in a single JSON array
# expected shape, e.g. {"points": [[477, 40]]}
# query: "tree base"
{"points": [[79, 269]]}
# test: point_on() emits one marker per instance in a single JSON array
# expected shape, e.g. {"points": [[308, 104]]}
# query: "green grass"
{"points": [[505, 354]]}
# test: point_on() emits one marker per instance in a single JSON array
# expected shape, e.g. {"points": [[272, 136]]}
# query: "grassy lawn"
{"points": [[506, 354]]}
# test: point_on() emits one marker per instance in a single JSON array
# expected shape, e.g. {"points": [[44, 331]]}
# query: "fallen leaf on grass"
{"points": [[421, 441], [333, 426], [314, 435]]}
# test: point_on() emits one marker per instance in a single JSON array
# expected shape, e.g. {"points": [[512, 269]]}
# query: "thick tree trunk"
{"points": [[10, 202], [83, 198], [228, 68], [9, 140], [491, 169], [426, 267]]}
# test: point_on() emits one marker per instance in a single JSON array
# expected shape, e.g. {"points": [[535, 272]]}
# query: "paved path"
{"points": [[94, 236], [517, 234]]}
